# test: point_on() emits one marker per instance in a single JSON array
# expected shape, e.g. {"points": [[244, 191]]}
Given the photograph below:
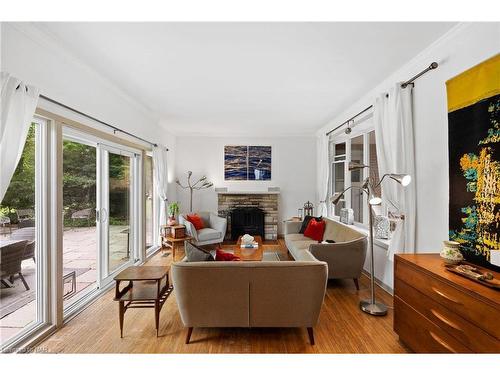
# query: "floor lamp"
{"points": [[371, 306]]}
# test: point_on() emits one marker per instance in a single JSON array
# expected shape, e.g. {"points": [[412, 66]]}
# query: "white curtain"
{"points": [[18, 105], [396, 154], [161, 170], [322, 178]]}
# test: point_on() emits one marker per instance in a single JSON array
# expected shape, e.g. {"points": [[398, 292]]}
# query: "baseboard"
{"points": [[379, 283]]}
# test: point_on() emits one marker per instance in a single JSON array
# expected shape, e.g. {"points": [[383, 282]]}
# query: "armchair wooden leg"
{"points": [[310, 331], [356, 283], [24, 281], [188, 334]]}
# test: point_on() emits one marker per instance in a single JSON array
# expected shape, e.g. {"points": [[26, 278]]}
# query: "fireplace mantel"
{"points": [[245, 192]]}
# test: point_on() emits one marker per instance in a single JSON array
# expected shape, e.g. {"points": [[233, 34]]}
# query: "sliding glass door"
{"points": [[116, 206], [100, 206], [80, 237]]}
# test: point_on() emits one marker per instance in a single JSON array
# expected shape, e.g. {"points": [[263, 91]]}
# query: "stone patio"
{"points": [[18, 305]]}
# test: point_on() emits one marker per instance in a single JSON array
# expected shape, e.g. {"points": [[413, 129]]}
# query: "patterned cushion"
{"points": [[197, 254]]}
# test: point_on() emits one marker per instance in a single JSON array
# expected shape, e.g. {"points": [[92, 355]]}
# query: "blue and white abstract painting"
{"points": [[247, 163], [259, 163]]}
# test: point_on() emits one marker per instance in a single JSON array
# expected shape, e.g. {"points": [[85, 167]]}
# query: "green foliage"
{"points": [[173, 209], [79, 183], [79, 179], [21, 191]]}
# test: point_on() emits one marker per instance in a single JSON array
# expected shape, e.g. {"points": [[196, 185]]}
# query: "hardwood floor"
{"points": [[342, 327]]}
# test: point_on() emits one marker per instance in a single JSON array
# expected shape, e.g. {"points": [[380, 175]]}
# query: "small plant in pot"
{"points": [[173, 211]]}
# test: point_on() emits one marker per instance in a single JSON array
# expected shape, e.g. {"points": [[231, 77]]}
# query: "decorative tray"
{"points": [[475, 274]]}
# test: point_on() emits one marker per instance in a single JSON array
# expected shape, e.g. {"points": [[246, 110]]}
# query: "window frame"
{"points": [[151, 250], [43, 311], [362, 127]]}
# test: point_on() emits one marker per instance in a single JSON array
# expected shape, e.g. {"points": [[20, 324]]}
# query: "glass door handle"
{"points": [[104, 215]]}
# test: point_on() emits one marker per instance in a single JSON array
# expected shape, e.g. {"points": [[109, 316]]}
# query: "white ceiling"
{"points": [[245, 78]]}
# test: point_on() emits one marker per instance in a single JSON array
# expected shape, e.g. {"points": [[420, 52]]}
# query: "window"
{"points": [[23, 252], [338, 167], [359, 147], [149, 202], [357, 178]]}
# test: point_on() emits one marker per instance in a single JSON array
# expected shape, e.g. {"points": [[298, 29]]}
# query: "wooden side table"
{"points": [[174, 243], [148, 291]]}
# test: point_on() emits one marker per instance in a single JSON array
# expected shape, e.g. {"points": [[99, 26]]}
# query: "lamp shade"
{"points": [[403, 179], [337, 197], [375, 201]]}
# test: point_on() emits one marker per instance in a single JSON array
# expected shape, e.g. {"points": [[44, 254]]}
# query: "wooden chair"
{"points": [[11, 256]]}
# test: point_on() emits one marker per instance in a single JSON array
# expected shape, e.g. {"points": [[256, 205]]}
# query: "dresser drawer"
{"points": [[481, 314], [469, 334], [420, 334]]}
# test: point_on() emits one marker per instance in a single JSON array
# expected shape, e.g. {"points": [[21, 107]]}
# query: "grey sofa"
{"points": [[249, 294], [214, 231], [345, 257]]}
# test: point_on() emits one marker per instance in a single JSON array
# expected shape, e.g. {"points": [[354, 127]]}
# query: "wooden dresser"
{"points": [[436, 311]]}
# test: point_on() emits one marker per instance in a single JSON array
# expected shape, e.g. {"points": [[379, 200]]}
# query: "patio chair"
{"points": [[27, 234], [4, 221], [25, 214], [82, 214], [11, 256]]}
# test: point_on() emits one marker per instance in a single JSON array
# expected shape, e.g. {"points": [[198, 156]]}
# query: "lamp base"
{"points": [[376, 308]]}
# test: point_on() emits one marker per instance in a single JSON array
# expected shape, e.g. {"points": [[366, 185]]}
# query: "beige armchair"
{"points": [[345, 257], [214, 231]]}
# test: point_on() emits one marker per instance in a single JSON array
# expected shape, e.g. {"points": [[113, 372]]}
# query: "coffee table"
{"points": [[249, 254], [148, 286]]}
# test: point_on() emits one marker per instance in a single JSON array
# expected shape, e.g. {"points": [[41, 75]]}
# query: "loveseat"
{"points": [[250, 294], [345, 257]]}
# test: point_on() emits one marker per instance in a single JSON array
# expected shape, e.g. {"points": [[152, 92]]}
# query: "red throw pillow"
{"points": [[315, 229], [196, 221], [222, 256]]}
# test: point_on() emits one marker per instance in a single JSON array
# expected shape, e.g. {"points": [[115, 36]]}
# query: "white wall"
{"points": [[293, 170], [29, 54], [460, 49]]}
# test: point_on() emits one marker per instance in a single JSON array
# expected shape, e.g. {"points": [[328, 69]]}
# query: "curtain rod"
{"points": [[432, 66], [115, 129]]}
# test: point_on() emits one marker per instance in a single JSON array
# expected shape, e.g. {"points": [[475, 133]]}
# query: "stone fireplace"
{"points": [[265, 201]]}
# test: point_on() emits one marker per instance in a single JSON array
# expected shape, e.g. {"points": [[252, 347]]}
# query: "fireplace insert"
{"points": [[247, 220]]}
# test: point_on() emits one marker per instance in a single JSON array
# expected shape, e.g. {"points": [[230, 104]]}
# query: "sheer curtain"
{"points": [[161, 171], [18, 105], [322, 178], [396, 154]]}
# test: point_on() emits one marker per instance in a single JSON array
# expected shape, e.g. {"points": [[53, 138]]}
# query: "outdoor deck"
{"points": [[18, 305]]}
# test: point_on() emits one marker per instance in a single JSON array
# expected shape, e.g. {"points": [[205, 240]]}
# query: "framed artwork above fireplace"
{"points": [[247, 163]]}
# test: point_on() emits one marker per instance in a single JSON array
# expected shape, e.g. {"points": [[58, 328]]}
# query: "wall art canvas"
{"points": [[474, 162], [247, 163], [236, 162], [259, 163]]}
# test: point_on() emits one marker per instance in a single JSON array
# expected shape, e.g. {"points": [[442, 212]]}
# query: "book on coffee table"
{"points": [[254, 245]]}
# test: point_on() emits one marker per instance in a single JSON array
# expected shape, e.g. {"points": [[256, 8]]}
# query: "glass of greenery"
{"points": [[173, 211]]}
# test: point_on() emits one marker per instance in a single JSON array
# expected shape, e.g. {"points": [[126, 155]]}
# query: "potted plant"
{"points": [[173, 211]]}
